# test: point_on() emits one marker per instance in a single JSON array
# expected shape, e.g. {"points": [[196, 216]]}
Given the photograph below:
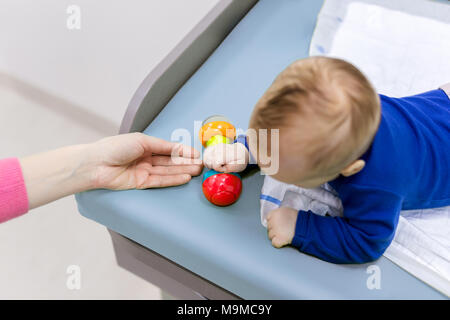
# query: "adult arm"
{"points": [[120, 162], [13, 194]]}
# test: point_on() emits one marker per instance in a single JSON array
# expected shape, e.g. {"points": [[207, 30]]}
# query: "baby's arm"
{"points": [[362, 235], [227, 157]]}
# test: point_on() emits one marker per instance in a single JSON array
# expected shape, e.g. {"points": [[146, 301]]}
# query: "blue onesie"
{"points": [[406, 168]]}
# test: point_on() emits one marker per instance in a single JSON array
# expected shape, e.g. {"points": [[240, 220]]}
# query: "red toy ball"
{"points": [[222, 189]]}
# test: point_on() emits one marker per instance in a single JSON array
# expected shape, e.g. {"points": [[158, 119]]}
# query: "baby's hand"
{"points": [[281, 226], [226, 157]]}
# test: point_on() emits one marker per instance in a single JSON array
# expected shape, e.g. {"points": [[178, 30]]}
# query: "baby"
{"points": [[380, 154]]}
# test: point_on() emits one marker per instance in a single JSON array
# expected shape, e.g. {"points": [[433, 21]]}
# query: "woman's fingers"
{"points": [[157, 160], [160, 181], [192, 170], [155, 145]]}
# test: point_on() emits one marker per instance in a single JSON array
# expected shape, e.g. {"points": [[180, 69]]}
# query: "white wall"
{"points": [[98, 67], [60, 87]]}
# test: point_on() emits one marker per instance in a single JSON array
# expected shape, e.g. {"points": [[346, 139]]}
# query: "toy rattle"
{"points": [[221, 189]]}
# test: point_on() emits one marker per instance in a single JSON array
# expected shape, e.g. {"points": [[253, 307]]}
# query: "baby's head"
{"points": [[327, 114]]}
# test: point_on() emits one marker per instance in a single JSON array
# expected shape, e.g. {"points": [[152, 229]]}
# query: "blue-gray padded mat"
{"points": [[229, 246]]}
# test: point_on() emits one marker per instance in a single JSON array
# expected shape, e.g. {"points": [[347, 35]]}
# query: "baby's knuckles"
{"points": [[222, 154]]}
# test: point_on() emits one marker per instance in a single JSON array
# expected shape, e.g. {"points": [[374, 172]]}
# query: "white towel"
{"points": [[421, 244], [321, 200], [403, 47]]}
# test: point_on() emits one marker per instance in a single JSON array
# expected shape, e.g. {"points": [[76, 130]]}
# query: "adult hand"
{"points": [[138, 161], [120, 162]]}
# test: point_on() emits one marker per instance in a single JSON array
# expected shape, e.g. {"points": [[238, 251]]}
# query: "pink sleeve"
{"points": [[13, 194]]}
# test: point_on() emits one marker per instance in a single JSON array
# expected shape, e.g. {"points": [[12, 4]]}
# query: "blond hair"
{"points": [[333, 97]]}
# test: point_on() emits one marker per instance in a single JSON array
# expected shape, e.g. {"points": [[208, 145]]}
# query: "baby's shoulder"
{"points": [[376, 176]]}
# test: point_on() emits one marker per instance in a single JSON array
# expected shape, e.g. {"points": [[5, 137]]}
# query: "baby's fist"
{"points": [[281, 226], [226, 157]]}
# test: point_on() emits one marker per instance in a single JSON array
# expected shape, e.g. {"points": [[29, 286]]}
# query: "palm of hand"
{"points": [[138, 161]]}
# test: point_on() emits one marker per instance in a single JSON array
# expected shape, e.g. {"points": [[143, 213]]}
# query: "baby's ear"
{"points": [[353, 168]]}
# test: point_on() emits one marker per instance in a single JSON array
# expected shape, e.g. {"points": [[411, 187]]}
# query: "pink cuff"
{"points": [[13, 193]]}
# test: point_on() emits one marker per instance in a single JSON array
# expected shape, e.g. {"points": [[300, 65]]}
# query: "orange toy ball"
{"points": [[216, 126]]}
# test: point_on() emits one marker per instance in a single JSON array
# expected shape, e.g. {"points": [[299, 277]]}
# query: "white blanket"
{"points": [[403, 47], [421, 244]]}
